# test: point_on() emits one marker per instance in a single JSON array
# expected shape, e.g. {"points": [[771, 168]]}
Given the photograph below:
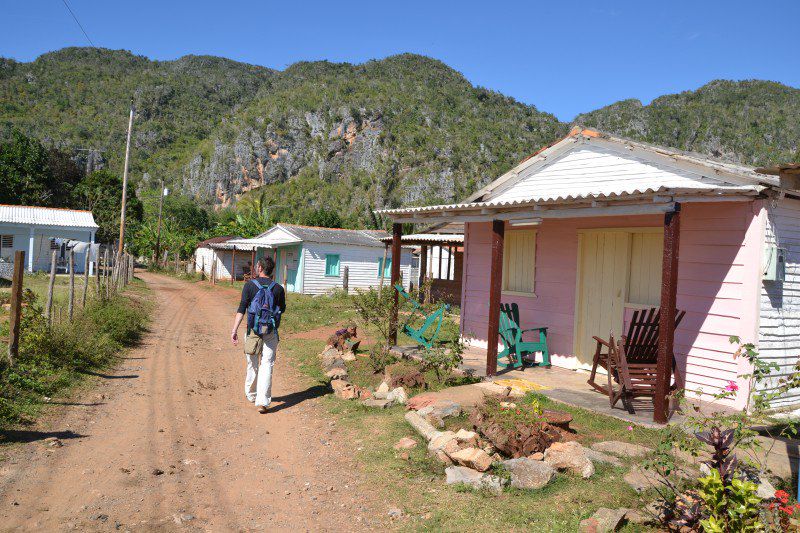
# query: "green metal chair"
{"points": [[515, 349], [434, 320]]}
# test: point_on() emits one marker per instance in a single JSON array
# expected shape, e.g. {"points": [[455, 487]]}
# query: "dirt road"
{"points": [[168, 441]]}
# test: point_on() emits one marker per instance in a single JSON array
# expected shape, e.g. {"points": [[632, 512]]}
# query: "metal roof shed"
{"points": [[34, 230]]}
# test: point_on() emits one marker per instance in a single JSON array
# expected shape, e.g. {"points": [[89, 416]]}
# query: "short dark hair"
{"points": [[267, 264]]}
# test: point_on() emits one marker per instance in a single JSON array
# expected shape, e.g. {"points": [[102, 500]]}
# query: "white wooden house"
{"points": [[41, 230], [312, 260]]}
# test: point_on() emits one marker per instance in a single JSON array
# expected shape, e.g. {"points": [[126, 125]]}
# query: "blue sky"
{"points": [[563, 57]]}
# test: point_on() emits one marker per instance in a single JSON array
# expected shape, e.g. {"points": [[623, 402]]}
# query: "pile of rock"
{"points": [[384, 397], [334, 362], [469, 456]]}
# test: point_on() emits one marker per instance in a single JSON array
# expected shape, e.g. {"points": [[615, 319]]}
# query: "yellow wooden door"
{"points": [[603, 273]]}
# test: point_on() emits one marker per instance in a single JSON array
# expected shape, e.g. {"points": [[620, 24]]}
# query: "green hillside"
{"points": [[340, 137], [752, 122]]}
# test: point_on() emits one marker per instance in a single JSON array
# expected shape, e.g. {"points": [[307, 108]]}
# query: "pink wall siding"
{"points": [[718, 285]]}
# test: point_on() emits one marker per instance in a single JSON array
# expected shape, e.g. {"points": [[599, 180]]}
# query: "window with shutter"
{"points": [[519, 261], [332, 265], [387, 268], [6, 241]]}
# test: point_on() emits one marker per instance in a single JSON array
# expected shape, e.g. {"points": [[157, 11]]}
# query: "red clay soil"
{"points": [[168, 441]]}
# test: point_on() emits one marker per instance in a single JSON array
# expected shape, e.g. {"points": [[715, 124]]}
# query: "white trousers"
{"points": [[258, 382]]}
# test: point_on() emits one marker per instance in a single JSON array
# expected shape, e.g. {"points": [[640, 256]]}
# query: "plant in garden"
{"points": [[375, 309], [781, 515], [443, 358], [731, 506], [726, 493]]}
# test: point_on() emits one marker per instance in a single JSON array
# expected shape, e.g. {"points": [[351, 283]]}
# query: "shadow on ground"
{"points": [[290, 400], [8, 436]]}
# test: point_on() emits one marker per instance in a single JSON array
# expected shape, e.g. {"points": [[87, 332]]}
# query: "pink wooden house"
{"points": [[593, 227]]}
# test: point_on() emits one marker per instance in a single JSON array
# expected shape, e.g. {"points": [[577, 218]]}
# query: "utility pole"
{"points": [[125, 185], [162, 194]]}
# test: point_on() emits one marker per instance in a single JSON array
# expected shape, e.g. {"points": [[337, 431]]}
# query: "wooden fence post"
{"points": [[48, 308], [85, 279], [202, 269], [132, 268], [97, 273], [346, 280], [233, 265], [71, 304], [16, 306], [105, 273], [176, 262]]}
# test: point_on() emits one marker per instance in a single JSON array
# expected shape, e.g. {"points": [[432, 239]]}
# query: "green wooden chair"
{"points": [[517, 351], [434, 320]]}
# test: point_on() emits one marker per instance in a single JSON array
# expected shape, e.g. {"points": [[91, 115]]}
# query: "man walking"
{"points": [[264, 301]]}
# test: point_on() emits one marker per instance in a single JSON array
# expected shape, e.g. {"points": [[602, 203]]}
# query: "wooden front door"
{"points": [[617, 270]]}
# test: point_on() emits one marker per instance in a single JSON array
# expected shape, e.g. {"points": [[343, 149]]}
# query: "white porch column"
{"points": [[91, 263], [30, 249]]}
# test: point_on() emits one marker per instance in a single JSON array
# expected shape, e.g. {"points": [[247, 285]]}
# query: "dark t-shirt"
{"points": [[249, 292]]}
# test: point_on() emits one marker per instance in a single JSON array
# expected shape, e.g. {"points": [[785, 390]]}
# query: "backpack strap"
{"points": [[257, 283]]}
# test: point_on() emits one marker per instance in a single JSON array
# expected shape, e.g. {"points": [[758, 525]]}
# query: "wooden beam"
{"points": [[397, 234], [423, 264], [495, 288], [233, 265], [15, 311], [666, 326]]}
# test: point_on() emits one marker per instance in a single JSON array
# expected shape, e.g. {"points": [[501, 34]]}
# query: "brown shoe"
{"points": [[262, 409]]}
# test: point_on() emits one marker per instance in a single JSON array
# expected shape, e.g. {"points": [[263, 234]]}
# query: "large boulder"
{"points": [[600, 457], [474, 458], [569, 456], [380, 404], [621, 449], [344, 389], [603, 521], [422, 426], [440, 440], [529, 473], [641, 479], [473, 478], [398, 395]]}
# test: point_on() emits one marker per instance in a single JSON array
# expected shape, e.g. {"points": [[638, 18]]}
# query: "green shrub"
{"points": [[52, 358]]}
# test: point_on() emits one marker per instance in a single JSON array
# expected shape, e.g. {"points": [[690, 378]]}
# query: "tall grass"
{"points": [[52, 358]]}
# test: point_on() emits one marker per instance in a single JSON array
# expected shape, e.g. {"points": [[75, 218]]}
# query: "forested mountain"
{"points": [[752, 122], [340, 137]]}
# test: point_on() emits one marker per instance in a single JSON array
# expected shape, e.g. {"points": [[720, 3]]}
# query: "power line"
{"points": [[78, 22]]}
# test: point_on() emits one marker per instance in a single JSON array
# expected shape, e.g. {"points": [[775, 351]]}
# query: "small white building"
{"points": [[312, 260], [40, 230]]}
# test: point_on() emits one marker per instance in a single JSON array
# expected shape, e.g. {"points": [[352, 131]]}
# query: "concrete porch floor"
{"points": [[569, 387]]}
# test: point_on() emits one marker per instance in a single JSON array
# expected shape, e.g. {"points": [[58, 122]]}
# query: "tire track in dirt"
{"points": [[283, 471]]}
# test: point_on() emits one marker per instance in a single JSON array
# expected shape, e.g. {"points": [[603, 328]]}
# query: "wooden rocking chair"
{"points": [[632, 361]]}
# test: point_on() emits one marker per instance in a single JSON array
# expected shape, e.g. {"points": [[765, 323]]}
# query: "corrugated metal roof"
{"points": [[215, 240], [565, 199], [451, 238], [46, 216], [355, 237]]}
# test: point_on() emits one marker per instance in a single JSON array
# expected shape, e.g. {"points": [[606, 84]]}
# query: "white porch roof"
{"points": [[46, 216], [591, 169]]}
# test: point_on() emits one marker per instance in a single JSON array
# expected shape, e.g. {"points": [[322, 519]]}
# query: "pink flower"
{"points": [[732, 386], [630, 428]]}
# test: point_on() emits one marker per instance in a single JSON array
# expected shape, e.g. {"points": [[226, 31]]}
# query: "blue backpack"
{"points": [[267, 316]]}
